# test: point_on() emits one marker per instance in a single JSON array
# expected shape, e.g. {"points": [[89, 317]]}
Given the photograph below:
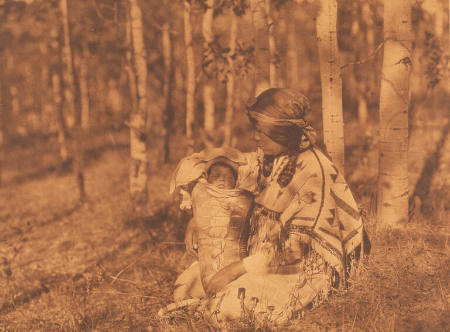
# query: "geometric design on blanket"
{"points": [[334, 175], [333, 215], [345, 207]]}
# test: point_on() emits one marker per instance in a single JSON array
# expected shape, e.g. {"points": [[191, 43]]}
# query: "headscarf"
{"points": [[280, 115]]}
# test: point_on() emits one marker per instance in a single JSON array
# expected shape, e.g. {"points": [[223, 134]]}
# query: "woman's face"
{"points": [[269, 146]]}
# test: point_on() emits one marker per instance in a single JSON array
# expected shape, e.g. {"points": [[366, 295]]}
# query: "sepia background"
{"points": [[99, 100]]}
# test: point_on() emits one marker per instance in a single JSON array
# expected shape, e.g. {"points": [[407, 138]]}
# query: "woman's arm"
{"points": [[257, 263], [224, 277]]}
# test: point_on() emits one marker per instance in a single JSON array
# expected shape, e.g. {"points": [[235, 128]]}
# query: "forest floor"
{"points": [[93, 267]]}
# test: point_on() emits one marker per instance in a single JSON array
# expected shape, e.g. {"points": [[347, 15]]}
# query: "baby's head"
{"points": [[222, 175]]}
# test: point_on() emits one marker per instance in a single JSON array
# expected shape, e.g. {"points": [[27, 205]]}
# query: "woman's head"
{"points": [[278, 116]]}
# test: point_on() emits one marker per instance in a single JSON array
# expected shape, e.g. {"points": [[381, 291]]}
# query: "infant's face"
{"points": [[222, 177]]}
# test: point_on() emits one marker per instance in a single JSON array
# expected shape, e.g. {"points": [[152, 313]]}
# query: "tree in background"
{"points": [[138, 118], [61, 122], [2, 124], [292, 46], [131, 77], [81, 62], [69, 85], [261, 45], [394, 103], [331, 82], [167, 89], [208, 64], [190, 76], [229, 108], [73, 115]]}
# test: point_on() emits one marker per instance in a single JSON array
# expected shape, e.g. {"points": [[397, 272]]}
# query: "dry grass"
{"points": [[96, 268]]}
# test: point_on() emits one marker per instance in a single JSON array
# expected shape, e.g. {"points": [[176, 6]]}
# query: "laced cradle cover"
{"points": [[220, 217]]}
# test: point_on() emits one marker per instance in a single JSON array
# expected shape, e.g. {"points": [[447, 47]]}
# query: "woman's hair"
{"points": [[279, 113]]}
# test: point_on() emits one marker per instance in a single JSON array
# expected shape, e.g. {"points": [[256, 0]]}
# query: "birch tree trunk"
{"points": [[128, 67], [230, 81], [47, 106], [138, 120], [273, 78], [208, 60], [167, 89], [331, 82], [84, 88], [73, 116], [292, 55], [15, 103], [57, 101], [394, 103], [190, 76], [2, 126], [261, 43], [69, 86], [61, 122]]}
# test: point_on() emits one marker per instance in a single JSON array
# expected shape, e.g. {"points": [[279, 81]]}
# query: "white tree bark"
{"points": [[273, 78], [230, 80], [81, 65], [190, 75], [2, 126], [69, 87], [73, 116], [261, 43], [208, 85], [331, 82], [61, 123], [57, 101], [15, 103], [293, 47], [138, 119], [167, 90], [47, 108], [84, 89], [128, 67], [394, 103]]}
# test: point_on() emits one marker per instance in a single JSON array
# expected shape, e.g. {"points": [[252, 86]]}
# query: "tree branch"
{"points": [[360, 62]]}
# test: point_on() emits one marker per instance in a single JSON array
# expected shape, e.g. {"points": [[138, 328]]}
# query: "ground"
{"points": [[95, 267]]}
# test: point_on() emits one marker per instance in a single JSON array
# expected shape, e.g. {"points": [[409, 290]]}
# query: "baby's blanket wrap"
{"points": [[220, 216]]}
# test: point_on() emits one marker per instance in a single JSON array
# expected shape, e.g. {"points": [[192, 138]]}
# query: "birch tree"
{"points": [[57, 100], [138, 119], [46, 104], [128, 66], [2, 126], [230, 80], [190, 75], [167, 89], [69, 86], [272, 44], [61, 122], [208, 63], [73, 116], [261, 44], [84, 87], [394, 103], [292, 47], [331, 82]]}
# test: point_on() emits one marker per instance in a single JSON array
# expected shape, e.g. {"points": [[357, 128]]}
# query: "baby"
{"points": [[220, 212]]}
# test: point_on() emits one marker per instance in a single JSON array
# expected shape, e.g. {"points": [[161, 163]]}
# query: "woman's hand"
{"points": [[191, 238], [224, 277]]}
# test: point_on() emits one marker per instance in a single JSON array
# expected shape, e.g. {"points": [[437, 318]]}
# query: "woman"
{"points": [[304, 228]]}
